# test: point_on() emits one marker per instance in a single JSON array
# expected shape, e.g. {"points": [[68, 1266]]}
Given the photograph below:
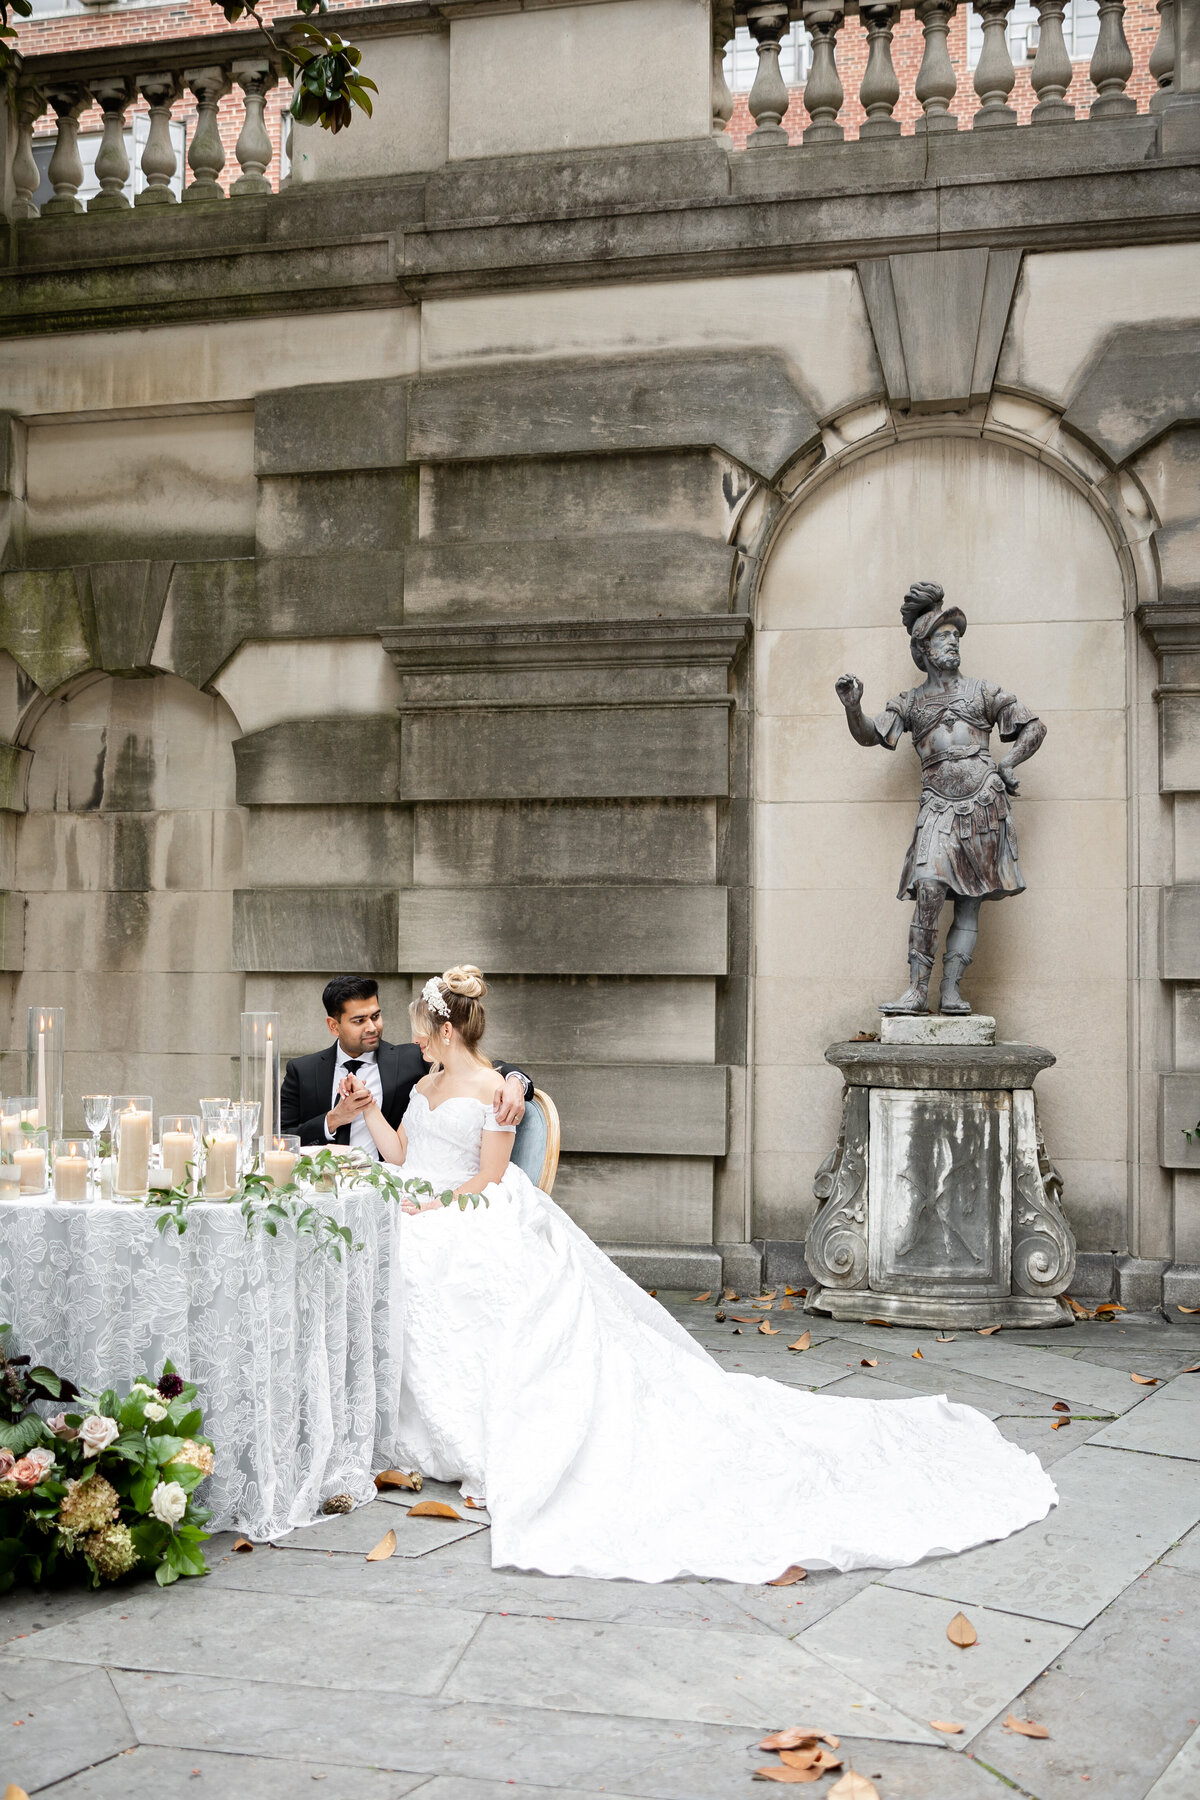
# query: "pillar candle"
{"points": [[32, 1165], [133, 1151], [178, 1150], [221, 1168], [11, 1136], [278, 1166], [70, 1177]]}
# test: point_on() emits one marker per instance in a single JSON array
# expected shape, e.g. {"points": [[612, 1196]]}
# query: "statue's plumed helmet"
{"points": [[922, 613]]}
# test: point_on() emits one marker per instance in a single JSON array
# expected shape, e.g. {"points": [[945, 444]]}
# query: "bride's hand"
{"points": [[358, 1091]]}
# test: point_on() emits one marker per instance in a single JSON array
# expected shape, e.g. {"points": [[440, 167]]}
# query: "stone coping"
{"points": [[940, 1066]]}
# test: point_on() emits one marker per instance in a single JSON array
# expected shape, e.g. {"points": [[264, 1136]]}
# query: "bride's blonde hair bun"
{"points": [[466, 981]]}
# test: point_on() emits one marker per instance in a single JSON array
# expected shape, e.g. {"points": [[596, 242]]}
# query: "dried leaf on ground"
{"points": [[475, 1505], [1192, 1369], [793, 1777], [1060, 1406], [743, 1318], [1025, 1727], [853, 1786], [1108, 1306], [786, 1306], [398, 1478], [764, 1305], [1186, 1309], [869, 1362], [384, 1548], [243, 1546], [960, 1631], [721, 1318], [803, 1342], [13, 1792], [1144, 1380], [797, 1736], [706, 1295], [917, 1356], [792, 1290], [433, 1509], [789, 1578], [728, 1294], [987, 1331], [946, 1726], [948, 1338], [1057, 1424], [886, 1322], [818, 1759], [737, 1331], [768, 1330], [1081, 1312], [770, 1295]]}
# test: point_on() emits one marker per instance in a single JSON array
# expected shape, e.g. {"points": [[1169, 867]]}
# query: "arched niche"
{"points": [[126, 858], [1035, 567]]}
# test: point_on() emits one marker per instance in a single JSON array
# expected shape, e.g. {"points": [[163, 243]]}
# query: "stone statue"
{"points": [[964, 844]]}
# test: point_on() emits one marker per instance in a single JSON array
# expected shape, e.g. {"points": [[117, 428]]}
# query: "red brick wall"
{"points": [[1141, 29]]}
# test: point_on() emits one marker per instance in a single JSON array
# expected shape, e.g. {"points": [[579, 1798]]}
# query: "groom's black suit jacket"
{"points": [[307, 1091]]}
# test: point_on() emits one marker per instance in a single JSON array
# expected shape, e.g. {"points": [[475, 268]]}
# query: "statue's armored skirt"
{"points": [[964, 837]]}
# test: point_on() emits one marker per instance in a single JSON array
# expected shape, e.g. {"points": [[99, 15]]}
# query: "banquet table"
{"points": [[297, 1356]]}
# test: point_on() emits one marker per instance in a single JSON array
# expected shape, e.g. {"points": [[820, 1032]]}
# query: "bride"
{"points": [[605, 1440]]}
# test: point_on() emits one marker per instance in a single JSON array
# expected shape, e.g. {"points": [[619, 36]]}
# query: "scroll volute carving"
{"points": [[1043, 1246], [836, 1247]]}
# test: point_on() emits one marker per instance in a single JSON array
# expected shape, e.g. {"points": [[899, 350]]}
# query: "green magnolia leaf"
{"points": [[47, 1379], [23, 1435], [165, 1574]]}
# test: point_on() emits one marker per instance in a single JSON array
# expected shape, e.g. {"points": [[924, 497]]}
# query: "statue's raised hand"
{"points": [[849, 690]]}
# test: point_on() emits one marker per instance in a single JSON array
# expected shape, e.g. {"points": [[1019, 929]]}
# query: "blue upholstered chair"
{"points": [[535, 1149]]}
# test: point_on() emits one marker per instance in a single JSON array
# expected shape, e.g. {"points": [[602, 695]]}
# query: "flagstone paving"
{"points": [[302, 1668]]}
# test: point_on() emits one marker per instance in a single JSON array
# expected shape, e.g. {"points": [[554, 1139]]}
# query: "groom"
{"points": [[310, 1100]]}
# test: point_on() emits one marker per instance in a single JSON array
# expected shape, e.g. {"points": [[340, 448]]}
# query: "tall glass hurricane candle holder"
{"points": [[260, 1068], [44, 1065], [18, 1118], [133, 1128]]}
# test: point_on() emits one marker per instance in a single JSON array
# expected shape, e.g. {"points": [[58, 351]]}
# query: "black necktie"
{"points": [[352, 1068], [342, 1134]]}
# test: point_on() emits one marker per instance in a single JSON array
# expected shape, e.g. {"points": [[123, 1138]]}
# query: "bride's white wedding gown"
{"points": [[608, 1443]]}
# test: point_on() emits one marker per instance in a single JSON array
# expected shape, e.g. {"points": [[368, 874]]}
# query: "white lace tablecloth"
{"points": [[297, 1357]]}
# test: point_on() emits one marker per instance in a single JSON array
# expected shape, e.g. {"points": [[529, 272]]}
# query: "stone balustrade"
{"points": [[936, 85]]}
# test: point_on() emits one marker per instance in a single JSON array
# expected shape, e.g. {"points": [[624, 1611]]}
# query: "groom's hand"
{"points": [[510, 1108], [349, 1107]]}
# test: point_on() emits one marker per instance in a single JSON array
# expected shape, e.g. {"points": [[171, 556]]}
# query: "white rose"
{"points": [[43, 1458], [97, 1433], [154, 1410], [168, 1503], [142, 1387]]}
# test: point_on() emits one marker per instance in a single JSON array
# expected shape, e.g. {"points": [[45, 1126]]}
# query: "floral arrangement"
{"points": [[111, 1488], [265, 1205]]}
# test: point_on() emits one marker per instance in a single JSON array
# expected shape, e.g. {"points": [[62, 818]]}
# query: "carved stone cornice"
{"points": [[1173, 632]]}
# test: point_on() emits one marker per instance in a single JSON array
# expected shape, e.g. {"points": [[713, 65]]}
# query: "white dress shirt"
{"points": [[360, 1135]]}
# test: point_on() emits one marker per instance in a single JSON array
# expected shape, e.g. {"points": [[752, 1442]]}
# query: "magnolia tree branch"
{"points": [[325, 71]]}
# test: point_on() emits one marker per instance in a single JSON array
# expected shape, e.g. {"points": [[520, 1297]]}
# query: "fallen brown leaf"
{"points": [[816, 1758], [803, 1342], [763, 1305], [397, 1478], [433, 1509], [743, 1318], [384, 1548], [654, 1293], [798, 1735], [243, 1546], [917, 1356], [946, 1726], [786, 1306], [960, 1631], [869, 1362], [737, 1331], [13, 1792], [1025, 1727], [987, 1330], [792, 1290], [1192, 1369], [1144, 1380], [768, 1330], [950, 1338], [789, 1578], [706, 1295], [1108, 1306], [1060, 1406], [886, 1322], [779, 1772], [769, 1296], [1057, 1424], [1081, 1312], [853, 1786], [728, 1294], [721, 1318], [1186, 1309], [475, 1505]]}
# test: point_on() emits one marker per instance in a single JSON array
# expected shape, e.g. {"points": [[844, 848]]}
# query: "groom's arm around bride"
{"points": [[311, 1103]]}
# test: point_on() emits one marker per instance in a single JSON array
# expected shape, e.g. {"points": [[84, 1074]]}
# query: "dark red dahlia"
{"points": [[170, 1386]]}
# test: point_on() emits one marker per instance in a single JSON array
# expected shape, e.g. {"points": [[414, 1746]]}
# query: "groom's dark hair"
{"points": [[347, 987]]}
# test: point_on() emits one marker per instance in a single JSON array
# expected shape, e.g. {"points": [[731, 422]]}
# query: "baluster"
{"points": [[880, 88], [769, 96], [722, 98], [1162, 57], [1052, 71], [936, 80], [823, 93], [285, 150], [30, 105], [160, 88], [994, 73], [253, 148], [112, 95], [1112, 64], [206, 155], [66, 167]]}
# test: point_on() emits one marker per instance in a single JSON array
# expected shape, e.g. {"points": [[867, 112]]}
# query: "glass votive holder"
{"points": [[133, 1130], [280, 1158], [222, 1144], [18, 1117], [33, 1162], [72, 1165], [179, 1148]]}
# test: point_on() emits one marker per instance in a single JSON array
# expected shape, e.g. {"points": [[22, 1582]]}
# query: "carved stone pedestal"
{"points": [[939, 1205]]}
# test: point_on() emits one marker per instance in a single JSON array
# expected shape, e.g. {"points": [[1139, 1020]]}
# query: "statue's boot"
{"points": [[953, 964], [920, 966]]}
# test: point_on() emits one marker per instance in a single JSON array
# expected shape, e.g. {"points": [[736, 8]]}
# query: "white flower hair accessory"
{"points": [[433, 997]]}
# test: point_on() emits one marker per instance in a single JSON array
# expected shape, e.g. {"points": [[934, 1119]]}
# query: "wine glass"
{"points": [[97, 1110]]}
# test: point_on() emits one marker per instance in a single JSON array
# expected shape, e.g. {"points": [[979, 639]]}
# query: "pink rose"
{"points": [[33, 1467], [8, 1463], [60, 1428]]}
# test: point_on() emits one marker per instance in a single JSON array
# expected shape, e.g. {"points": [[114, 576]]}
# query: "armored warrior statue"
{"points": [[964, 844]]}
